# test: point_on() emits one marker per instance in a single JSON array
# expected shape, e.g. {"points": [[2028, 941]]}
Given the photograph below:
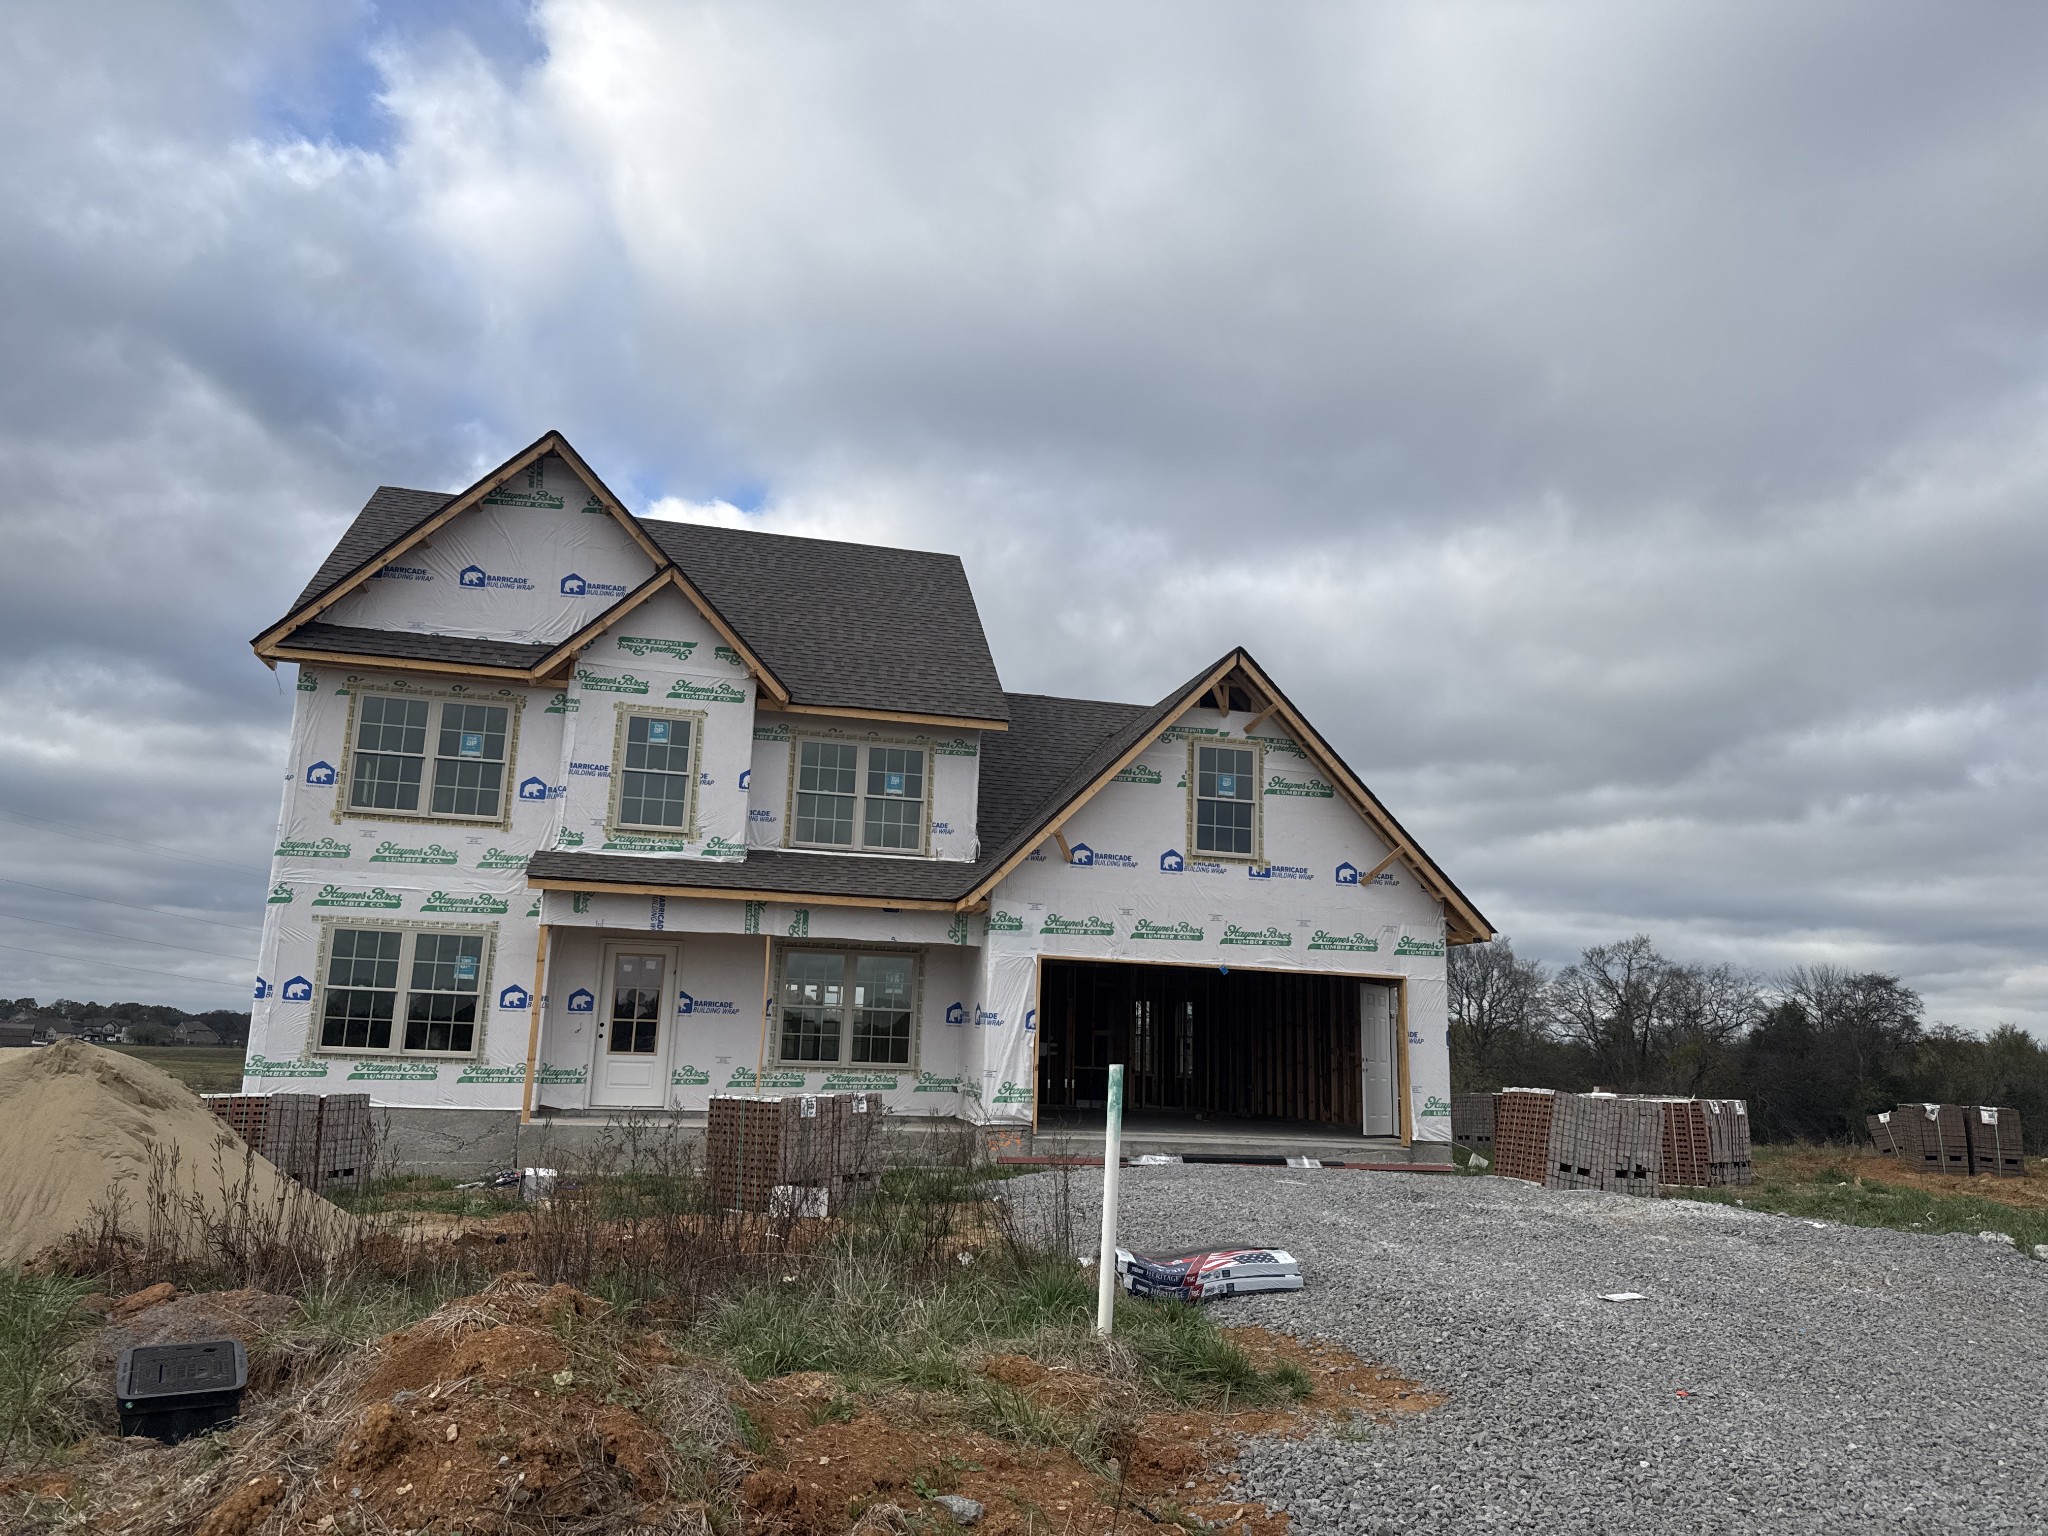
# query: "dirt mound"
{"points": [[174, 1319], [82, 1128], [501, 1412]]}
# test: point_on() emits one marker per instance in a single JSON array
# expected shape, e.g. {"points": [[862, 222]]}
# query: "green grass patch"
{"points": [[40, 1373], [1833, 1195], [425, 1192], [202, 1068]]}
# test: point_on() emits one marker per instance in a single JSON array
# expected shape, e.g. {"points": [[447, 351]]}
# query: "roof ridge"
{"points": [[652, 523]]}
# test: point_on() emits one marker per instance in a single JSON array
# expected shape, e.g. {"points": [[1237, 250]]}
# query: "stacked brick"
{"points": [[1728, 1148], [1521, 1133], [322, 1140], [806, 1154], [1472, 1120], [1686, 1150], [1996, 1146], [1954, 1139], [1624, 1144]]}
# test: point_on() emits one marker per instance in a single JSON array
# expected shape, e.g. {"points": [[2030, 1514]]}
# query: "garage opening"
{"points": [[1203, 1043]]}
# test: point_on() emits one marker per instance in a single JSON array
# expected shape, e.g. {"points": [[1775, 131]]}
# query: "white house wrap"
{"points": [[589, 812]]}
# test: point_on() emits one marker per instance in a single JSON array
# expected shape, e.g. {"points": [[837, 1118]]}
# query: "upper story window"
{"points": [[403, 990], [1224, 788], [654, 770], [404, 754], [866, 796]]}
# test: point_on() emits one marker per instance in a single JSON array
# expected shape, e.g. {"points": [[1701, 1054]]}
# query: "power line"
{"points": [[133, 906], [93, 834], [117, 965], [125, 938]]}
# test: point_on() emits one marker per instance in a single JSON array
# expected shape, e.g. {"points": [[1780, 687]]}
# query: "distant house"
{"points": [[592, 812], [16, 1032], [192, 1032]]}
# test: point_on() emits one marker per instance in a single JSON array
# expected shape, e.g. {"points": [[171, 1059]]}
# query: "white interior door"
{"points": [[631, 1069], [1382, 1073]]}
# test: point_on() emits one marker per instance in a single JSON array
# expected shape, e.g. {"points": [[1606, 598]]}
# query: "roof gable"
{"points": [[1123, 745], [834, 627]]}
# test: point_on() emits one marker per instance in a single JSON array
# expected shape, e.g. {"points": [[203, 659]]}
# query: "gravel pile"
{"points": [[1830, 1375]]}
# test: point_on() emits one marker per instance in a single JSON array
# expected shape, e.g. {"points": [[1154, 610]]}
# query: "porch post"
{"points": [[540, 976]]}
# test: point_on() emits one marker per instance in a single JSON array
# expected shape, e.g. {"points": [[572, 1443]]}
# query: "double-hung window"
{"points": [[654, 769], [403, 990], [1225, 785], [404, 753], [848, 1006], [870, 797]]}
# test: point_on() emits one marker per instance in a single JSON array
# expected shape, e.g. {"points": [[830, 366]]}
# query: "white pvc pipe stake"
{"points": [[1112, 1168]]}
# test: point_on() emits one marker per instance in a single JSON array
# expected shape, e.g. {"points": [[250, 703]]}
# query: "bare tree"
{"points": [[1496, 1001], [1614, 1002]]}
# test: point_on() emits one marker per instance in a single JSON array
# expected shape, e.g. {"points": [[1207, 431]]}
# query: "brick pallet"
{"points": [[1521, 1133], [1885, 1134], [1472, 1120], [1935, 1138], [1728, 1149], [322, 1140], [1997, 1146], [1685, 1152], [756, 1147], [1603, 1141]]}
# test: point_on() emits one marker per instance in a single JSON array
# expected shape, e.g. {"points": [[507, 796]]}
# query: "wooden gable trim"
{"points": [[364, 663], [1476, 927], [721, 893], [272, 645], [1194, 694], [266, 643], [894, 716]]}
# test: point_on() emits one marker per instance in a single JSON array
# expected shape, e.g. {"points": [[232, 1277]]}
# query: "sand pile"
{"points": [[81, 1127]]}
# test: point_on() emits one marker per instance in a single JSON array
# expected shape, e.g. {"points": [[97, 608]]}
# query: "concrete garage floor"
{"points": [[1778, 1376]]}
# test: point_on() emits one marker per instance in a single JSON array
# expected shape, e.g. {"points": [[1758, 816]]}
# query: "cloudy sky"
{"points": [[1623, 428]]}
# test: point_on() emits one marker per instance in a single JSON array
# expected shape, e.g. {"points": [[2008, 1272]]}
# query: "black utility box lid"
{"points": [[159, 1371]]}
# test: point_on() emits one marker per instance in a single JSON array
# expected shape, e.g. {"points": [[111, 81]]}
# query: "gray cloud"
{"points": [[1621, 428]]}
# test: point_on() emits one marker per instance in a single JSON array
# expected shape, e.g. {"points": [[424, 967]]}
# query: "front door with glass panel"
{"points": [[631, 1069]]}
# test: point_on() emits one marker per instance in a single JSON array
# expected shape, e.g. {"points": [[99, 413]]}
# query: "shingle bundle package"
{"points": [[1204, 1274]]}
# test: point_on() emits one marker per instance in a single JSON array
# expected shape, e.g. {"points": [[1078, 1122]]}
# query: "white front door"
{"points": [[1382, 1073], [631, 1069]]}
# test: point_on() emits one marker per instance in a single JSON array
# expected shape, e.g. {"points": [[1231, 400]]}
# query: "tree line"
{"points": [[147, 1022], [1812, 1050]]}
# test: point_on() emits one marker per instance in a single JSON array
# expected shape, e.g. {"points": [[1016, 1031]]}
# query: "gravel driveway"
{"points": [[1834, 1375]]}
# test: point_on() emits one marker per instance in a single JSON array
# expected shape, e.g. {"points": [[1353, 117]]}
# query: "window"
{"points": [[390, 762], [840, 1006], [1226, 791], [851, 796], [656, 767], [363, 1000]]}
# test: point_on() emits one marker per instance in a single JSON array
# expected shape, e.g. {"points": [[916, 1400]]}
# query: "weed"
{"points": [[1184, 1354], [40, 1373]]}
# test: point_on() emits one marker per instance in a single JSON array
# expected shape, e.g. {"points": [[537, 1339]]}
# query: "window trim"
{"points": [[1246, 744], [359, 686], [862, 745], [852, 951], [410, 927], [613, 826]]}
